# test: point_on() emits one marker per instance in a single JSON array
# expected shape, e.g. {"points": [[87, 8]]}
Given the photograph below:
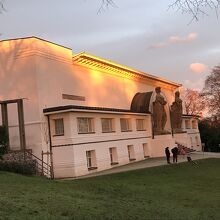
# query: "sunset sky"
{"points": [[142, 34]]}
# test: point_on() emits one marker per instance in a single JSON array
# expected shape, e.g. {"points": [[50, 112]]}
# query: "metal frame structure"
{"points": [[20, 110]]}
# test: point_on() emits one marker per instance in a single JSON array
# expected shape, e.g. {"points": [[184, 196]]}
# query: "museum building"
{"points": [[83, 114]]}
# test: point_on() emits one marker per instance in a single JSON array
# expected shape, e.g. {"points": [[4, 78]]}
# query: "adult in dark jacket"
{"points": [[175, 154], [167, 152]]}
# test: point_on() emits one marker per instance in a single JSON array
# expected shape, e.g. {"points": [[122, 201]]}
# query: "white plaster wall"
{"points": [[183, 138], [100, 142], [103, 156], [63, 162], [18, 80], [192, 133], [159, 143]]}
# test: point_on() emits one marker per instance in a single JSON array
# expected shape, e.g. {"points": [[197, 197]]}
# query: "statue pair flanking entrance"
{"points": [[156, 104]]}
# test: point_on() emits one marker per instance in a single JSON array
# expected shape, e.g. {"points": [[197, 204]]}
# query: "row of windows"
{"points": [[86, 125], [113, 155], [189, 125]]}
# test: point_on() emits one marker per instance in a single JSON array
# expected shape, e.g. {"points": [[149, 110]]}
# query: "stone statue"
{"points": [[176, 113], [159, 114]]}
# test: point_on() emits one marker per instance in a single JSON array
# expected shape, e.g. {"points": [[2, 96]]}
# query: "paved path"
{"points": [[151, 162]]}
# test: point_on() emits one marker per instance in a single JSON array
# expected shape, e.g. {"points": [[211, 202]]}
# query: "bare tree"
{"points": [[211, 92], [2, 6], [195, 8], [105, 4], [194, 102]]}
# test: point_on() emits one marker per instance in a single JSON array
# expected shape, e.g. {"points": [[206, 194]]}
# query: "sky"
{"points": [[142, 34]]}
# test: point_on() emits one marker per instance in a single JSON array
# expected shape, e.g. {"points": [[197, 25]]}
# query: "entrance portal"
{"points": [[4, 110]]}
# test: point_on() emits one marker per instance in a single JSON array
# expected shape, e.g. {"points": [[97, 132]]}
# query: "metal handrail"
{"points": [[40, 164]]}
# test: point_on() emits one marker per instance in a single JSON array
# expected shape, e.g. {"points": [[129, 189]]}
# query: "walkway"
{"points": [[151, 162]]}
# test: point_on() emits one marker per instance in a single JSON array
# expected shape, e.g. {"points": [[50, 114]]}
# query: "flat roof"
{"points": [[38, 38], [69, 108]]}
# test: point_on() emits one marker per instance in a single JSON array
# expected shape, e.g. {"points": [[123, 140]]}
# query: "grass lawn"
{"points": [[181, 191]]}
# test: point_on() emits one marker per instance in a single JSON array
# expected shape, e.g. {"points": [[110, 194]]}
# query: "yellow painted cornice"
{"points": [[98, 63]]}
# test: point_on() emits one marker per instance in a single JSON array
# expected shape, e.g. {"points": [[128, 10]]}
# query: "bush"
{"points": [[23, 167], [210, 134], [3, 140]]}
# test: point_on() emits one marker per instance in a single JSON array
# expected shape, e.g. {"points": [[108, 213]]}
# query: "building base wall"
{"points": [[159, 143], [71, 161]]}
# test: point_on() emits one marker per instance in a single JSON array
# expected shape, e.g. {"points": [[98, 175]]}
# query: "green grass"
{"points": [[181, 191]]}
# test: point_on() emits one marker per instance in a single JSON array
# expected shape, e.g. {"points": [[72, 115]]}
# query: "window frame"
{"points": [[58, 128], [143, 124], [112, 125], [128, 124], [113, 155], [131, 152], [91, 160], [90, 124]]}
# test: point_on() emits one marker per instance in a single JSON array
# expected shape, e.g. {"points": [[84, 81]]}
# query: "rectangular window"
{"points": [[107, 125], [113, 155], [125, 124], [194, 124], [146, 150], [131, 153], [141, 125], [85, 125], [91, 159], [59, 126], [187, 124]]}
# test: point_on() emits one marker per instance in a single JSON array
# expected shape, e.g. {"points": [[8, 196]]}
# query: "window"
{"points": [[187, 124], [140, 125], [91, 159], [146, 150], [197, 140], [85, 125], [191, 140], [113, 155], [194, 124], [131, 154], [58, 126], [107, 125], [125, 124]]}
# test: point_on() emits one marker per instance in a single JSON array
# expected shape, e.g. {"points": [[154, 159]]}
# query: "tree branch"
{"points": [[105, 4], [2, 8], [195, 8]]}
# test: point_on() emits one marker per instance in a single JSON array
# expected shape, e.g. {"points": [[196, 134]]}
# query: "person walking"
{"points": [[167, 152], [175, 153]]}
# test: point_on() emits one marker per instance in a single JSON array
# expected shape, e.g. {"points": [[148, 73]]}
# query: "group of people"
{"points": [[175, 151]]}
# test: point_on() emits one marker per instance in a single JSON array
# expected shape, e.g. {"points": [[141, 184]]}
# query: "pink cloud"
{"points": [[175, 39], [187, 39], [198, 67]]}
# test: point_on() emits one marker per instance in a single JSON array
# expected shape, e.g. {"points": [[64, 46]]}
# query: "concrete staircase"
{"points": [[182, 147]]}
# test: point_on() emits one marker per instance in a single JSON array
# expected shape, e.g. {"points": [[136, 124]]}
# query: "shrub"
{"points": [[3, 140], [23, 167]]}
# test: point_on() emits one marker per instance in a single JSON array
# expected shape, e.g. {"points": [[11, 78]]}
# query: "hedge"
{"points": [[22, 167]]}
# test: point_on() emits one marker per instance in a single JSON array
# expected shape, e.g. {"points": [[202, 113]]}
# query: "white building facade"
{"points": [[78, 108]]}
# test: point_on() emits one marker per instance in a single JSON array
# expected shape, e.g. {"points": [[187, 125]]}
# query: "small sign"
{"points": [[73, 97]]}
